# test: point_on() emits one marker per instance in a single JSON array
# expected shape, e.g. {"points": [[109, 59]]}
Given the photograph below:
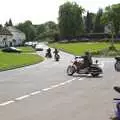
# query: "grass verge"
{"points": [[16, 60], [97, 48], [27, 49]]}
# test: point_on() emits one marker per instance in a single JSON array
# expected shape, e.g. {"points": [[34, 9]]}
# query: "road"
{"points": [[44, 92]]}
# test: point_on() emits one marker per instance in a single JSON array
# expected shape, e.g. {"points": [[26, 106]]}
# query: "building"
{"points": [[10, 36], [5, 37], [18, 37]]}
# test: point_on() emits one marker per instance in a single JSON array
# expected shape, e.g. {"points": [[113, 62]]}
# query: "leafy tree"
{"points": [[89, 21], [51, 26], [6, 24], [28, 29], [10, 22], [40, 29], [98, 27], [70, 19], [48, 30], [111, 17]]}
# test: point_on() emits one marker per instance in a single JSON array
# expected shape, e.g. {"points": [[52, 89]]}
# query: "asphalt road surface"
{"points": [[45, 92]]}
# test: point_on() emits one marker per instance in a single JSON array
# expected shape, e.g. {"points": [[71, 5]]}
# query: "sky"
{"points": [[41, 11]]}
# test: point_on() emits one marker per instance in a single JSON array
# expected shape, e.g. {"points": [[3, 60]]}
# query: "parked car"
{"points": [[28, 43], [39, 47], [31, 43], [11, 49]]}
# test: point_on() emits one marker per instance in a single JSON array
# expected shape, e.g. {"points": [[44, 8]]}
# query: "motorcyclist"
{"points": [[55, 51], [48, 54], [48, 50], [87, 59]]}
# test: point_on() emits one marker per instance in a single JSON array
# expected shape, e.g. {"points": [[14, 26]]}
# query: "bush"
{"points": [[96, 53]]}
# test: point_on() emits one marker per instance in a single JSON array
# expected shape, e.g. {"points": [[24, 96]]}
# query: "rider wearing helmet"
{"points": [[48, 50], [55, 51], [48, 54], [87, 59]]}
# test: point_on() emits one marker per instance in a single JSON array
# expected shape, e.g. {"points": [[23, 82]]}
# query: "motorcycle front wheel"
{"points": [[70, 70]]}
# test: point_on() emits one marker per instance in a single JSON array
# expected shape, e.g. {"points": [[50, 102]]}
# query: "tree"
{"points": [[40, 29], [10, 22], [70, 19], [89, 21], [28, 29], [6, 24], [48, 30], [98, 27], [111, 16], [51, 26]]}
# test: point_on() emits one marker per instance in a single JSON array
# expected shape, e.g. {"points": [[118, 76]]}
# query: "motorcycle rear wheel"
{"points": [[57, 57]]}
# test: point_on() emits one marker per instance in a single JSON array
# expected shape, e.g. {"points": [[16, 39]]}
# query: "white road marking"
{"points": [[22, 97], [6, 103], [46, 89], [62, 83], [37, 92], [54, 86], [80, 79]]}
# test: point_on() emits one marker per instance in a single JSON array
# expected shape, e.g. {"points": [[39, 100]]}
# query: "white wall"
{"points": [[18, 36]]}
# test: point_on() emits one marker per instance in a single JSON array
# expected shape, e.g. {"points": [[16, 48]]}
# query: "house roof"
{"points": [[4, 31], [13, 29]]}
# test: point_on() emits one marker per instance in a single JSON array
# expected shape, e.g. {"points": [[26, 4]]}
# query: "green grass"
{"points": [[27, 49], [81, 47], [16, 60]]}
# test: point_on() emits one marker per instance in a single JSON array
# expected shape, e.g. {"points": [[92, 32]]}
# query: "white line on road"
{"points": [[46, 89], [22, 97], [6, 103], [37, 92], [80, 79], [57, 85]]}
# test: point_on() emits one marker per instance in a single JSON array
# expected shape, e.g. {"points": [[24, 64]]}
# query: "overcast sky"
{"points": [[40, 11]]}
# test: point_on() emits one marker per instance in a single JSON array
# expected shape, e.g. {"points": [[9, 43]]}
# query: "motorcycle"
{"points": [[57, 57], [76, 67], [48, 55], [117, 104], [117, 64]]}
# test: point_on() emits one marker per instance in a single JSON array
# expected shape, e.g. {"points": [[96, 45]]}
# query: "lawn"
{"points": [[27, 49], [81, 47], [15, 60]]}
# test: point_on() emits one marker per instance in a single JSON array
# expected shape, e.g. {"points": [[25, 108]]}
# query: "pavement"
{"points": [[45, 92]]}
